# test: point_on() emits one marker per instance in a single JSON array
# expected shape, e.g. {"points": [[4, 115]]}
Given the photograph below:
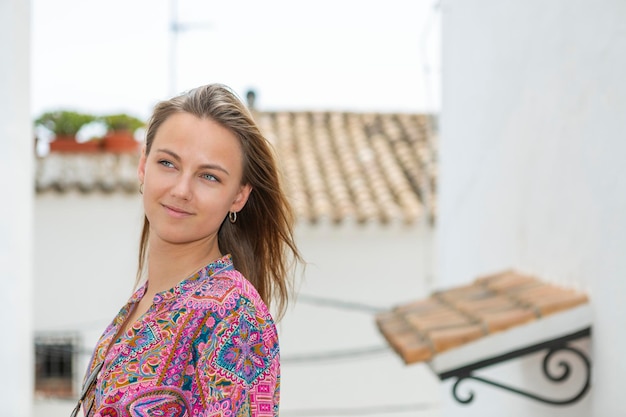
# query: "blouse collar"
{"points": [[224, 263]]}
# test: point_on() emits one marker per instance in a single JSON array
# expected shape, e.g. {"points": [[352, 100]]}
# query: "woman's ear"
{"points": [[141, 168], [241, 198]]}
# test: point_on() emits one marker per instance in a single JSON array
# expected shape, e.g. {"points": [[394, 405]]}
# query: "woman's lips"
{"points": [[175, 211]]}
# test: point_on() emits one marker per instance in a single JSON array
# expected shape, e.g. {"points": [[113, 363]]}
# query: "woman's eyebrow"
{"points": [[203, 166]]}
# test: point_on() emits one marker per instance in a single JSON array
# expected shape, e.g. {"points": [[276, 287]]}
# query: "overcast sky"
{"points": [[116, 55]]}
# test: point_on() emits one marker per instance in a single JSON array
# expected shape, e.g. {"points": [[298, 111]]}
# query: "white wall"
{"points": [[16, 179], [85, 256], [376, 264], [532, 167]]}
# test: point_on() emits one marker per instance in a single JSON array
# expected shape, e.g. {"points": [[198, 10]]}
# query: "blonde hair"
{"points": [[261, 241]]}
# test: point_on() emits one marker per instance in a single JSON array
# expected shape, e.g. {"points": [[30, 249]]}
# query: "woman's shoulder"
{"points": [[225, 291]]}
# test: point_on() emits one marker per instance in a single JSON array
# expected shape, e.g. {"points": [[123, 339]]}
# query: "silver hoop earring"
{"points": [[141, 188], [232, 216]]}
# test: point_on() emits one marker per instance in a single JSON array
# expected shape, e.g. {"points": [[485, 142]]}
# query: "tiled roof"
{"points": [[420, 330], [339, 167]]}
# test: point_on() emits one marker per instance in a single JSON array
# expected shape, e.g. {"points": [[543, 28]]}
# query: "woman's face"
{"points": [[191, 179]]}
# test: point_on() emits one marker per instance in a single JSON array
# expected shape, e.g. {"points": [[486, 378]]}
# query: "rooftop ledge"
{"points": [[497, 318]]}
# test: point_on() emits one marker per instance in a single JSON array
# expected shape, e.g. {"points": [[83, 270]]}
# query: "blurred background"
{"points": [[424, 143]]}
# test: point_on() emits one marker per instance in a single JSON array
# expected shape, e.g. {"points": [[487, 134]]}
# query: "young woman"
{"points": [[197, 338]]}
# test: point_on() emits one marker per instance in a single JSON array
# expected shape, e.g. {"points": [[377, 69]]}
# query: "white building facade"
{"points": [[532, 175], [16, 224]]}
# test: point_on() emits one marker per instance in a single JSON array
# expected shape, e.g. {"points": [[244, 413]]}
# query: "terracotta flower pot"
{"points": [[120, 141], [69, 144]]}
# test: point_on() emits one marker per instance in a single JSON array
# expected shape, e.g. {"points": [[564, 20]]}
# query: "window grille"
{"points": [[55, 357]]}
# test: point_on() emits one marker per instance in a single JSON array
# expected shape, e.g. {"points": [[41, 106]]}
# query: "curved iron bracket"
{"points": [[553, 347]]}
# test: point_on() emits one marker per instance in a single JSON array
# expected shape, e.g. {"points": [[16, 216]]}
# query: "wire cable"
{"points": [[361, 353], [359, 411], [339, 304]]}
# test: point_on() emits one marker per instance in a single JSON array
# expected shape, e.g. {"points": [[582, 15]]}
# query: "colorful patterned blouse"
{"points": [[207, 347]]}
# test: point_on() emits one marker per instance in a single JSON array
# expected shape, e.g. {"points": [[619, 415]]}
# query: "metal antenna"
{"points": [[175, 28]]}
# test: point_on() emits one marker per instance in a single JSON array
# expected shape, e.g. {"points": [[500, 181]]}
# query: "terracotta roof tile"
{"points": [[457, 316], [449, 337], [338, 166], [404, 339], [496, 320]]}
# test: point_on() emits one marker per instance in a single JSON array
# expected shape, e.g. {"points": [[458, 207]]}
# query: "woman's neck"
{"points": [[168, 264]]}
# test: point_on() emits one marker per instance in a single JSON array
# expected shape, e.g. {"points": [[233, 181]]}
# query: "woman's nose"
{"points": [[182, 187]]}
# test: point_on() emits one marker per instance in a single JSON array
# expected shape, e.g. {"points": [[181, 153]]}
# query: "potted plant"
{"points": [[64, 125], [120, 136]]}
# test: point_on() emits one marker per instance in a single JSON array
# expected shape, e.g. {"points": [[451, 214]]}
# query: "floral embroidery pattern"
{"points": [[244, 353], [159, 402], [207, 347]]}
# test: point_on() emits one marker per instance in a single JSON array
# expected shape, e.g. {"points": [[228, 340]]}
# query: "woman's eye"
{"points": [[210, 177], [166, 163]]}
